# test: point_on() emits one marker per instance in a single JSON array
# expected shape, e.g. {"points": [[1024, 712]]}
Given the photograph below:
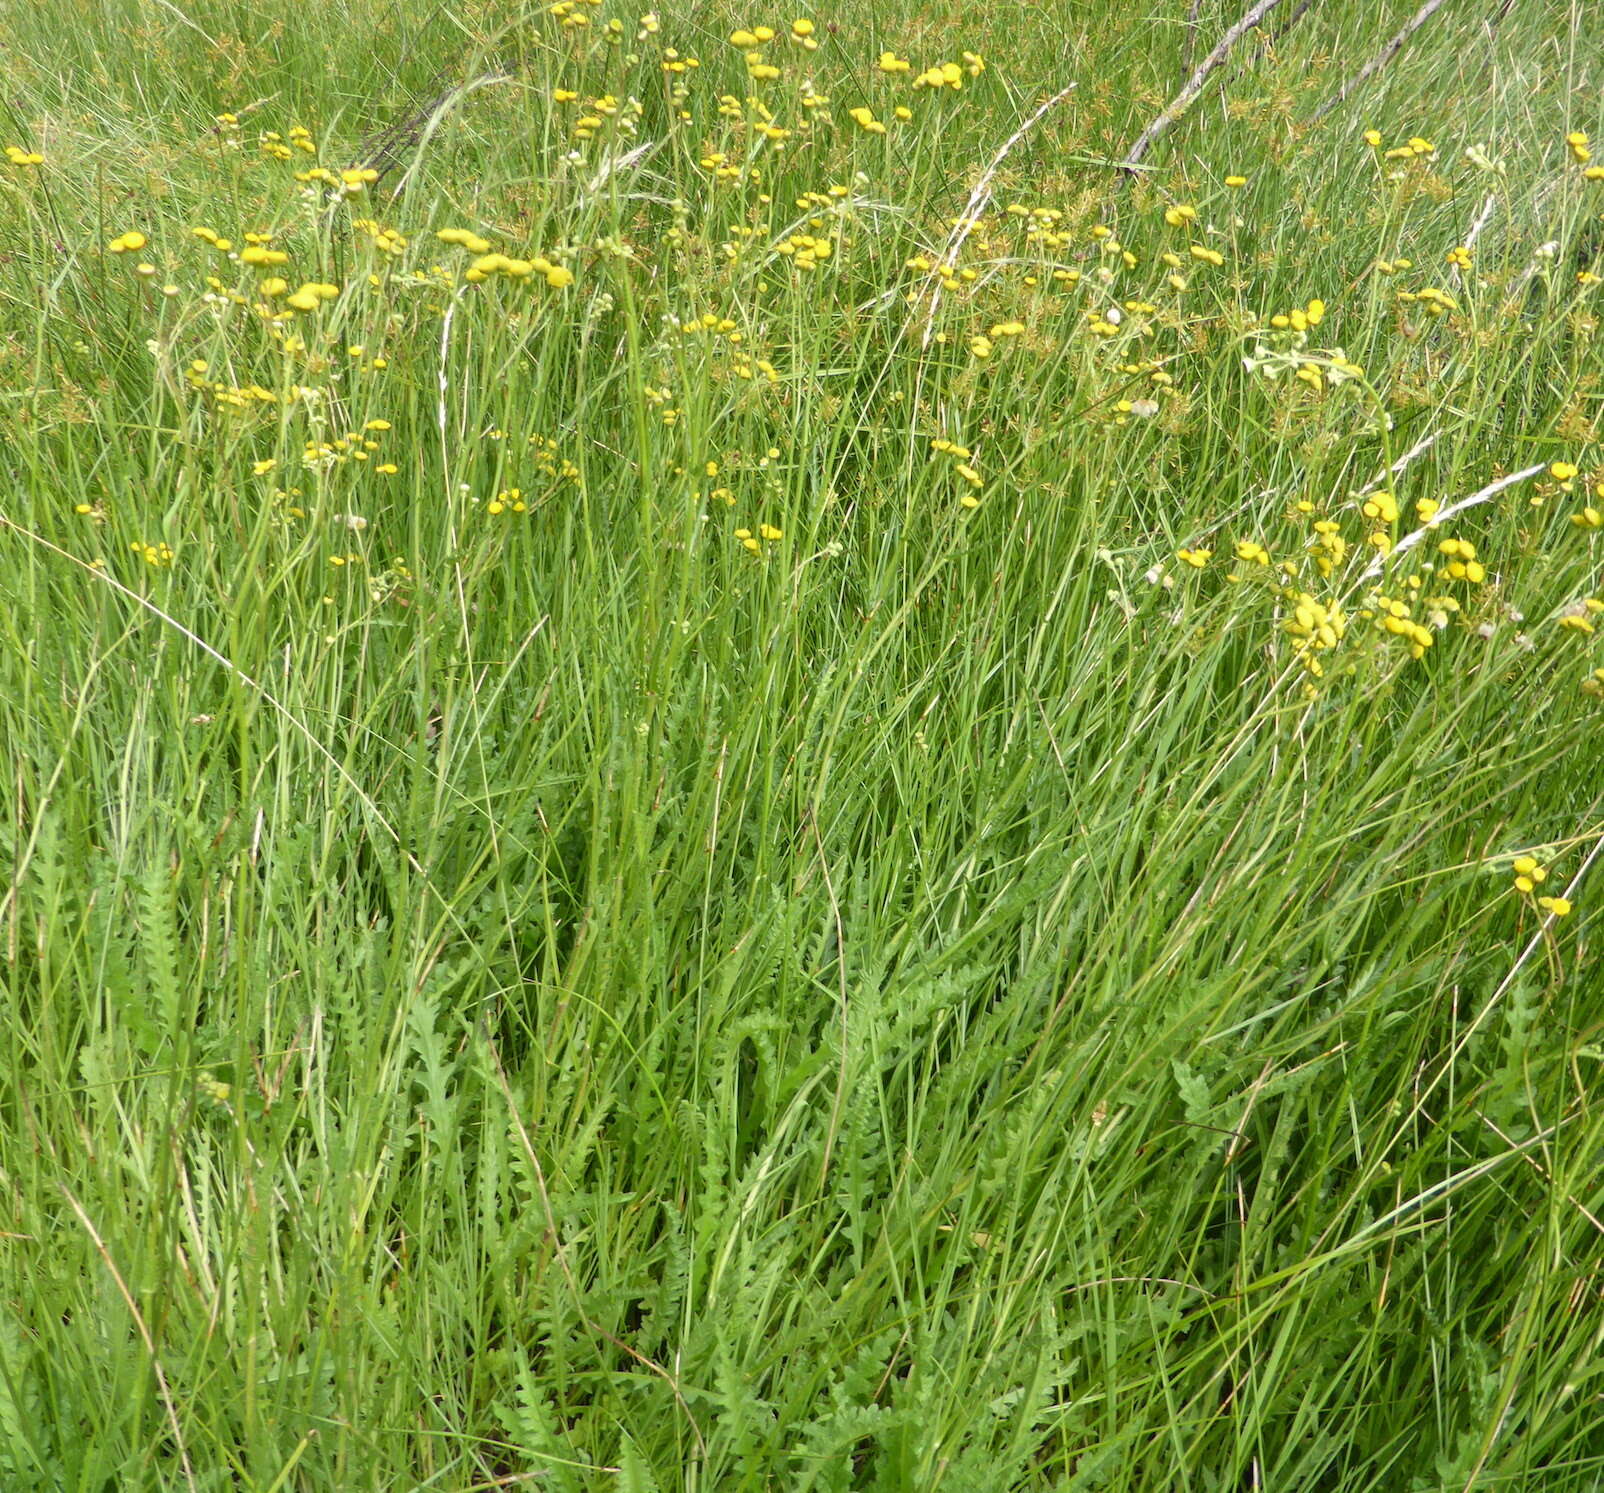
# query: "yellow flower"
{"points": [[127, 243], [1560, 907], [1577, 141], [1180, 215], [465, 239], [1206, 255], [891, 63], [1197, 559], [559, 276], [20, 157], [1372, 138], [1382, 507], [1528, 873], [1236, 181], [1252, 553], [865, 119]]}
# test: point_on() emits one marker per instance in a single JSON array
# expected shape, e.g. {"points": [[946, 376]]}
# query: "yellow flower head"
{"points": [[464, 238]]}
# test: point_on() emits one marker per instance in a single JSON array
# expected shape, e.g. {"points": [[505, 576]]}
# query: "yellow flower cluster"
{"points": [[310, 295], [1462, 564], [1317, 626], [464, 238], [273, 144], [1579, 616], [805, 250], [348, 183], [1431, 299], [1530, 874], [1395, 617], [159, 554], [946, 74], [385, 240], [963, 464], [570, 14], [753, 543]]}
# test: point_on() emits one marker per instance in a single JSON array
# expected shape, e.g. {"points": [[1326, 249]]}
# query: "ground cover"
{"points": [[726, 769]]}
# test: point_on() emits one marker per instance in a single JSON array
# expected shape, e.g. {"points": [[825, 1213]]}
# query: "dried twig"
{"points": [[1303, 8], [1189, 47], [1453, 510], [384, 149], [1382, 58], [1194, 85], [1483, 218], [980, 197]]}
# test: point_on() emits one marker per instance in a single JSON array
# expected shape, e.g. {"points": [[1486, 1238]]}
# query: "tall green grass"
{"points": [[553, 998]]}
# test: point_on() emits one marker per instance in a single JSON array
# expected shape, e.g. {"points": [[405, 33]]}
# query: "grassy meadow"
{"points": [[724, 770]]}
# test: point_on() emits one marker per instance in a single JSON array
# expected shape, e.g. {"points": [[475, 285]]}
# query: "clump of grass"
{"points": [[750, 794]]}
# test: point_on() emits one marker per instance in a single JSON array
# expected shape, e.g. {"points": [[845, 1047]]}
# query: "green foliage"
{"points": [[866, 895]]}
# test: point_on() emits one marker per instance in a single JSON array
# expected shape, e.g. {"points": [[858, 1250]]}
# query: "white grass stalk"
{"points": [[1442, 516]]}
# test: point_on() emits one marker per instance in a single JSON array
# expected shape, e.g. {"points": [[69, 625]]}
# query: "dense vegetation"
{"points": [[724, 770]]}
